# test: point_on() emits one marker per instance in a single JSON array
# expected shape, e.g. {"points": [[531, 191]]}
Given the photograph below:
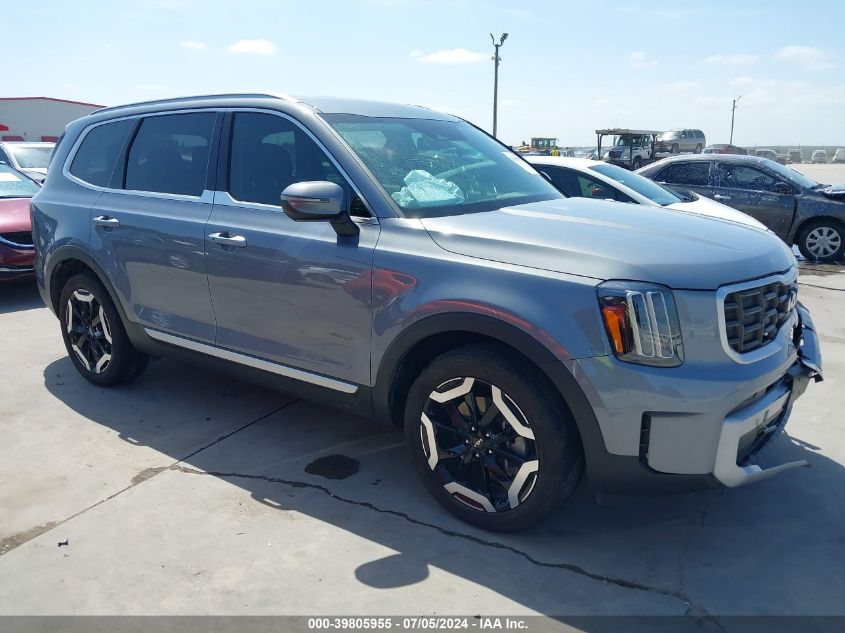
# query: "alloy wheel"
{"points": [[823, 241], [479, 444], [88, 331]]}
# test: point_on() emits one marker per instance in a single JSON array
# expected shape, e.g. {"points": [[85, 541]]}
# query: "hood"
{"points": [[14, 215], [713, 209], [607, 240]]}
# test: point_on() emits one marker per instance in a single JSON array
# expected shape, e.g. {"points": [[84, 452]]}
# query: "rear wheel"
{"points": [[698, 148], [94, 335], [822, 241], [490, 439]]}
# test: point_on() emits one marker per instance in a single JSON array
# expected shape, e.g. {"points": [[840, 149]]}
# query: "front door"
{"points": [[148, 229], [293, 293], [751, 191]]}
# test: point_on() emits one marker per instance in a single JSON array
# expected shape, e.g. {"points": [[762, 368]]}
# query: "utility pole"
{"points": [[733, 109], [496, 60]]}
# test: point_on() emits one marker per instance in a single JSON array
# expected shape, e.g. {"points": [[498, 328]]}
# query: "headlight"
{"points": [[641, 321]]}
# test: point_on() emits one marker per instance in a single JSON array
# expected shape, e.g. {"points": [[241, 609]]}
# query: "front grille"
{"points": [[20, 238], [614, 153], [754, 316]]}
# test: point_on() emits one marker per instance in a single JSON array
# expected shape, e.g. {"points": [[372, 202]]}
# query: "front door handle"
{"points": [[238, 241], [721, 197], [106, 221]]}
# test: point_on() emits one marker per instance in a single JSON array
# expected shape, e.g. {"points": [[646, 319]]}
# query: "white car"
{"points": [[30, 158], [583, 178]]}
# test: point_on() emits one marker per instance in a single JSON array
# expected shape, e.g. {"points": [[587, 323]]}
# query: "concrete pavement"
{"points": [[187, 493]]}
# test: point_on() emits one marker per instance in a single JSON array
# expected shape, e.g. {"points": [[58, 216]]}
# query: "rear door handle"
{"points": [[238, 241], [720, 197], [106, 221]]}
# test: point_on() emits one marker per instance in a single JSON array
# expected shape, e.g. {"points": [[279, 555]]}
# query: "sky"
{"points": [[567, 67]]}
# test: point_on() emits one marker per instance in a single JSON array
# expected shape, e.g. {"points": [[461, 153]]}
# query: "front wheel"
{"points": [[822, 241], [638, 162], [490, 439], [94, 335]]}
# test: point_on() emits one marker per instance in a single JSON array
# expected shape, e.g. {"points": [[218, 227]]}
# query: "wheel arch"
{"points": [[811, 219], [432, 336]]}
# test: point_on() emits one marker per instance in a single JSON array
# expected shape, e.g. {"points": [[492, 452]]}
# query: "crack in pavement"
{"points": [[16, 540], [703, 614]]}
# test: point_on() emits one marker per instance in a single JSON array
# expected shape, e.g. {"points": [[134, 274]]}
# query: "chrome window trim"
{"points": [[252, 361], [206, 196], [789, 277], [319, 143]]}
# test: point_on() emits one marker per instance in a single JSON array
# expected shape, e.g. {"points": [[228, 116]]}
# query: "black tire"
{"points": [[675, 148], [698, 148], [84, 292], [811, 240], [525, 392], [638, 162]]}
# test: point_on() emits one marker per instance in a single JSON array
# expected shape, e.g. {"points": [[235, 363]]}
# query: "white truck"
{"points": [[630, 148]]}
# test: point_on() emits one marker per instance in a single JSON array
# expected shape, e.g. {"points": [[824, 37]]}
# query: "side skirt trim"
{"points": [[251, 361]]}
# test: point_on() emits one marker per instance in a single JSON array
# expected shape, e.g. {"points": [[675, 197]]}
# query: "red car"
{"points": [[17, 253]]}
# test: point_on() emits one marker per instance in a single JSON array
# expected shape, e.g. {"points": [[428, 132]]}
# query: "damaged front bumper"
{"points": [[748, 432]]}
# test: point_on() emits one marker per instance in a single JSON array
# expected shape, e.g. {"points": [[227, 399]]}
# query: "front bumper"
{"points": [[698, 425], [747, 433]]}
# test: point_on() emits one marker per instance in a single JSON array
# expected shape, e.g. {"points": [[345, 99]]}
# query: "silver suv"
{"points": [[676, 141], [402, 264]]}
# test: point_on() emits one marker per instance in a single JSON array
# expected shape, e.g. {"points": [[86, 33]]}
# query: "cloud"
{"points": [[416, 53], [734, 59], [809, 57], [252, 47], [454, 56], [681, 86], [639, 59], [193, 45]]}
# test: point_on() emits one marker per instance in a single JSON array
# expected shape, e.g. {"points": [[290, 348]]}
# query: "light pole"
{"points": [[733, 109], [496, 60]]}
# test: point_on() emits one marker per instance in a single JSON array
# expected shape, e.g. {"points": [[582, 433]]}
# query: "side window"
{"points": [[744, 177], [564, 179], [270, 152], [695, 174], [4, 158], [96, 157], [595, 189], [170, 154]]}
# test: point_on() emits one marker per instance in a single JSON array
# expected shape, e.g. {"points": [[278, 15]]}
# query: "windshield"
{"points": [[791, 174], [640, 184], [668, 136], [15, 185], [624, 140], [435, 168], [31, 157]]}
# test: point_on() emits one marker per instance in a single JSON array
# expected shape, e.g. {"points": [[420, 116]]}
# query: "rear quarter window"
{"points": [[97, 155]]}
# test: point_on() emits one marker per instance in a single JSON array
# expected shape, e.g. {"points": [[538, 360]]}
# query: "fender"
{"points": [[553, 368]]}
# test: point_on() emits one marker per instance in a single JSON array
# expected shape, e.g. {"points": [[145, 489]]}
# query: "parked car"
{"points": [[819, 156], [798, 209], [516, 334], [17, 253], [675, 141], [839, 156], [771, 155], [724, 148], [582, 178], [794, 155], [30, 158]]}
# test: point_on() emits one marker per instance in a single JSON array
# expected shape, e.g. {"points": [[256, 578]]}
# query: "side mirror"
{"points": [[319, 201], [784, 188]]}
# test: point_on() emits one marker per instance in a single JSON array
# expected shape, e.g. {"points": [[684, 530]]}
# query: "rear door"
{"points": [[693, 175], [751, 191], [148, 226], [293, 293]]}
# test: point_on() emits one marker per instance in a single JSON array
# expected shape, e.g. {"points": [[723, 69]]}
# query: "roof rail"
{"points": [[241, 95]]}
